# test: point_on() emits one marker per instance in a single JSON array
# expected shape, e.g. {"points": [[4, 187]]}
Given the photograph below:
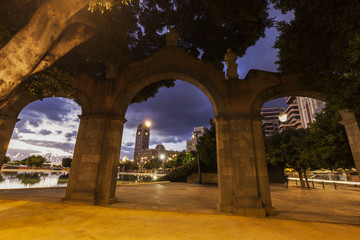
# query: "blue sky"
{"points": [[49, 128]]}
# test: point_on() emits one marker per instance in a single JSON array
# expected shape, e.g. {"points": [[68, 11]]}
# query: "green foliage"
{"points": [[329, 143], [322, 42], [179, 174], [66, 162], [128, 165], [183, 158], [153, 163], [33, 161], [51, 82], [7, 159], [206, 149], [323, 145]]}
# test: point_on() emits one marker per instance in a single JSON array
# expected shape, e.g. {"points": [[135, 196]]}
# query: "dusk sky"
{"points": [[50, 127]]}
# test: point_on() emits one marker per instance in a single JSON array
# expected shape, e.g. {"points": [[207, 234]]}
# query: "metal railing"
{"points": [[355, 184]]}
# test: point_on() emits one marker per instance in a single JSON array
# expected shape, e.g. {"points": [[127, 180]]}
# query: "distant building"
{"points": [[309, 107], [271, 122], [142, 153], [142, 139], [301, 111], [191, 144]]}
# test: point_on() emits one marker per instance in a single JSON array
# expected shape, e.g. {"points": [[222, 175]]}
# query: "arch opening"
{"points": [[310, 141], [174, 113], [46, 129]]}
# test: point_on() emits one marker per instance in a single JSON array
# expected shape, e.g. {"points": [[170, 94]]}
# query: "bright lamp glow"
{"points": [[162, 156], [148, 124], [283, 117]]}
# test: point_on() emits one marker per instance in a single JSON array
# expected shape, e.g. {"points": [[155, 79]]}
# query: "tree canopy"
{"points": [[322, 42], [323, 145], [206, 149], [66, 162], [130, 30], [33, 161]]}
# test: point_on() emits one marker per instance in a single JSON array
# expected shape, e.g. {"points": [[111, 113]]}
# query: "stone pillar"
{"points": [[243, 188], [7, 125], [261, 167], [352, 127], [96, 155]]}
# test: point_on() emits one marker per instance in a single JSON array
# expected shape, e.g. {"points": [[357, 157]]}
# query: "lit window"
{"points": [[146, 134], [138, 133]]}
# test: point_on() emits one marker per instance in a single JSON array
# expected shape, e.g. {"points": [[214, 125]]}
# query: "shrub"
{"points": [[179, 174]]}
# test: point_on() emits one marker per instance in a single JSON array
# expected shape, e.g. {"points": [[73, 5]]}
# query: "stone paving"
{"points": [[179, 211]]}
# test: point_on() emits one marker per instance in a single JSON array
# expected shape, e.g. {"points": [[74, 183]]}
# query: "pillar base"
{"points": [[250, 212], [105, 201], [270, 211], [225, 209]]}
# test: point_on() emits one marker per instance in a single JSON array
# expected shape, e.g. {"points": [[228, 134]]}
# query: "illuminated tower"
{"points": [[142, 139]]}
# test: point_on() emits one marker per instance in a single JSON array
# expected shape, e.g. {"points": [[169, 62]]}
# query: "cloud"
{"points": [[65, 146], [69, 136], [59, 132], [45, 132], [49, 110], [129, 144], [19, 154], [173, 112]]}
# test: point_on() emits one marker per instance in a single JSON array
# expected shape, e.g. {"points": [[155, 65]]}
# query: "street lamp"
{"points": [[162, 157]]}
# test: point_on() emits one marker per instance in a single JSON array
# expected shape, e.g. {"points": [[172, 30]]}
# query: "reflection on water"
{"points": [[127, 178], [35, 179], [27, 179]]}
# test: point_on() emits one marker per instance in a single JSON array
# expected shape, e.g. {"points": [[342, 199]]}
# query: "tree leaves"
{"points": [[322, 42]]}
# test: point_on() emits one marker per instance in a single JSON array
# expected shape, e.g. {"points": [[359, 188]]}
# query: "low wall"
{"points": [[205, 178]]}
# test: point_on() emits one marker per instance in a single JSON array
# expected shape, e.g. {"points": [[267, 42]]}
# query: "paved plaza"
{"points": [[179, 211]]}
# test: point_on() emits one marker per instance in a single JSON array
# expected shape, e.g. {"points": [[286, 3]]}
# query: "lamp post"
{"points": [[162, 157], [198, 159]]}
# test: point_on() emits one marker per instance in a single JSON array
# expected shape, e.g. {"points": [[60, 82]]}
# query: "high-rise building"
{"points": [[191, 144], [142, 139], [309, 107], [293, 114], [271, 122], [301, 111]]}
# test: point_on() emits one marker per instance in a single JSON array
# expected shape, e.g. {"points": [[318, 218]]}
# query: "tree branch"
{"points": [[26, 49], [73, 36]]}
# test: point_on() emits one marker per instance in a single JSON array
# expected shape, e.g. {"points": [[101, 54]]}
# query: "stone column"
{"points": [[225, 166], [241, 184], [261, 167], [352, 127], [96, 155], [7, 125]]}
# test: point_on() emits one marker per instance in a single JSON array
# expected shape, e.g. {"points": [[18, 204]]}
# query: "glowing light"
{"points": [[148, 124], [162, 156], [283, 117]]}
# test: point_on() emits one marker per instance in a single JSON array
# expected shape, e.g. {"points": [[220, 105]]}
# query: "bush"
{"points": [[179, 174]]}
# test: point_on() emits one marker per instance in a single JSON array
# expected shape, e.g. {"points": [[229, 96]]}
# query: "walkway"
{"points": [[178, 211]]}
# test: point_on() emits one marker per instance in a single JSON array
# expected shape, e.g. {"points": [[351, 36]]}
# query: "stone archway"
{"points": [[242, 173], [16, 103]]}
